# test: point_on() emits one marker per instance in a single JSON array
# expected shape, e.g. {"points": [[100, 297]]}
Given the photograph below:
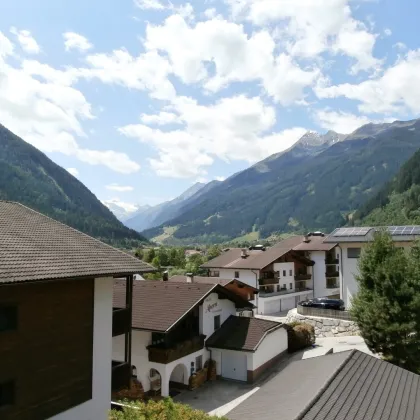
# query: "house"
{"points": [[240, 288], [173, 324], [340, 386], [282, 275], [350, 243], [57, 319]]}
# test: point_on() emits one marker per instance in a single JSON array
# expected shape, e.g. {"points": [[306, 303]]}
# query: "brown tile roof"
{"points": [[256, 260], [242, 333], [209, 280], [158, 305], [36, 247], [296, 243]]}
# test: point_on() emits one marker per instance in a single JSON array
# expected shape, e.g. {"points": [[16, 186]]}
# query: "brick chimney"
{"points": [[190, 277]]}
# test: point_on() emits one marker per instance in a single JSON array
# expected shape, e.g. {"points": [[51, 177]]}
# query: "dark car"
{"points": [[324, 303]]}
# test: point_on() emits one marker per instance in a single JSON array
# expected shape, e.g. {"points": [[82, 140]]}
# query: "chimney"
{"points": [[306, 238], [244, 253], [190, 277], [165, 276]]}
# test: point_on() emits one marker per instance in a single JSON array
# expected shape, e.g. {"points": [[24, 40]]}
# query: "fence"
{"points": [[326, 313]]}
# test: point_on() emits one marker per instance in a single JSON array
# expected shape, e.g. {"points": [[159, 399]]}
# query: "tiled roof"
{"points": [[209, 280], [242, 333], [158, 305], [255, 260], [342, 386], [297, 243], [36, 247]]}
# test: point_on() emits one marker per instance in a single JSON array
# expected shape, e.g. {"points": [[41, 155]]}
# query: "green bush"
{"points": [[300, 336], [159, 410]]}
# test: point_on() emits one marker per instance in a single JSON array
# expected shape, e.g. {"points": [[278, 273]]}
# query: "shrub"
{"points": [[159, 410], [300, 336]]}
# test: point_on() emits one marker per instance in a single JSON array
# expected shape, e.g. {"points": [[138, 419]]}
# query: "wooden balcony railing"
{"points": [[265, 281], [331, 261], [121, 375], [330, 274], [303, 276], [120, 321], [159, 354]]}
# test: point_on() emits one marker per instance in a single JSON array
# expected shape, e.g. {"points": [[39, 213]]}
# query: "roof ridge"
{"points": [[318, 395], [69, 227]]}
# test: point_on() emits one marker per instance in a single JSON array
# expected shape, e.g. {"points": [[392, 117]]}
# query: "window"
{"points": [[214, 273], [216, 321], [353, 252], [290, 272], [291, 285], [7, 393], [236, 274], [284, 273], [199, 363], [8, 318]]}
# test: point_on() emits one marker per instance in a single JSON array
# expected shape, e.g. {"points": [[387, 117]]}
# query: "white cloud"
{"points": [[220, 178], [26, 41], [236, 56], [48, 113], [150, 4], [387, 32], [148, 71], [340, 122], [400, 46], [236, 128], [162, 118], [74, 41], [120, 188], [73, 171], [308, 28], [210, 13], [396, 91]]}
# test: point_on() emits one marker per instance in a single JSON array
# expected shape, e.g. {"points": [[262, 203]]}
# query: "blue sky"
{"points": [[140, 99]]}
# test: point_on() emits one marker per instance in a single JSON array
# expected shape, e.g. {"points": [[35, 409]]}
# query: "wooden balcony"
{"points": [[121, 321], [331, 261], [330, 274], [165, 355], [303, 277], [121, 375], [270, 280]]}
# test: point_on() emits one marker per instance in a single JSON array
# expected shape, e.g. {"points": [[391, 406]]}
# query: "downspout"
{"points": [[341, 273], [313, 281], [257, 286]]}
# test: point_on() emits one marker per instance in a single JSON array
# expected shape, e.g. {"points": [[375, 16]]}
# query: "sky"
{"points": [[141, 99]]}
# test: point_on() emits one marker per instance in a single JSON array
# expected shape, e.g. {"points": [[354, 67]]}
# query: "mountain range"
{"points": [[316, 184], [31, 178]]}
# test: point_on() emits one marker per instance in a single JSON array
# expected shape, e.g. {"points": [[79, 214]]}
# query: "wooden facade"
{"points": [[48, 356]]}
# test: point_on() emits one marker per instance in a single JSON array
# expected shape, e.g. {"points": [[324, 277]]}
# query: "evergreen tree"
{"points": [[387, 306]]}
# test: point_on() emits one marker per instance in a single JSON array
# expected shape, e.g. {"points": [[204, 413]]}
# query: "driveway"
{"points": [[277, 316]]}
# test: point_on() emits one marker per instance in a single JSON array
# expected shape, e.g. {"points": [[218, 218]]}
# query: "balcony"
{"points": [[303, 277], [265, 281], [330, 274], [165, 355], [284, 292], [121, 321], [331, 261], [121, 375]]}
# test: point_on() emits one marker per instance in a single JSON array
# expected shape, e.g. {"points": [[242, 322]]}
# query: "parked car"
{"points": [[324, 303]]}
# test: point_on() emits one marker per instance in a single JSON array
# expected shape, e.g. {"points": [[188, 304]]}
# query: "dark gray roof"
{"points": [[159, 305], [210, 280], [343, 386], [36, 247], [242, 333]]}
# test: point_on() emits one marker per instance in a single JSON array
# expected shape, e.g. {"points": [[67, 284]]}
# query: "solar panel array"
{"points": [[353, 231], [403, 230]]}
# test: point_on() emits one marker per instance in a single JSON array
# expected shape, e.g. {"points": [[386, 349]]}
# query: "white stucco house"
{"points": [[172, 324], [295, 269], [351, 242]]}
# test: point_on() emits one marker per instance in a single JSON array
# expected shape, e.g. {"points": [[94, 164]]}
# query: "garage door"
{"points": [[234, 366], [287, 304], [272, 307]]}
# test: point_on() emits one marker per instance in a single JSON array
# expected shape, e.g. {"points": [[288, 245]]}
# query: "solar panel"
{"points": [[403, 230], [354, 231]]}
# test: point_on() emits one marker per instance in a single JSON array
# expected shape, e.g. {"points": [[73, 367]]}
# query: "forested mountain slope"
{"points": [[398, 202], [314, 185], [31, 178]]}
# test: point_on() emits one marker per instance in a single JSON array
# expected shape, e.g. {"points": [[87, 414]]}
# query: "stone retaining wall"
{"points": [[325, 327]]}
